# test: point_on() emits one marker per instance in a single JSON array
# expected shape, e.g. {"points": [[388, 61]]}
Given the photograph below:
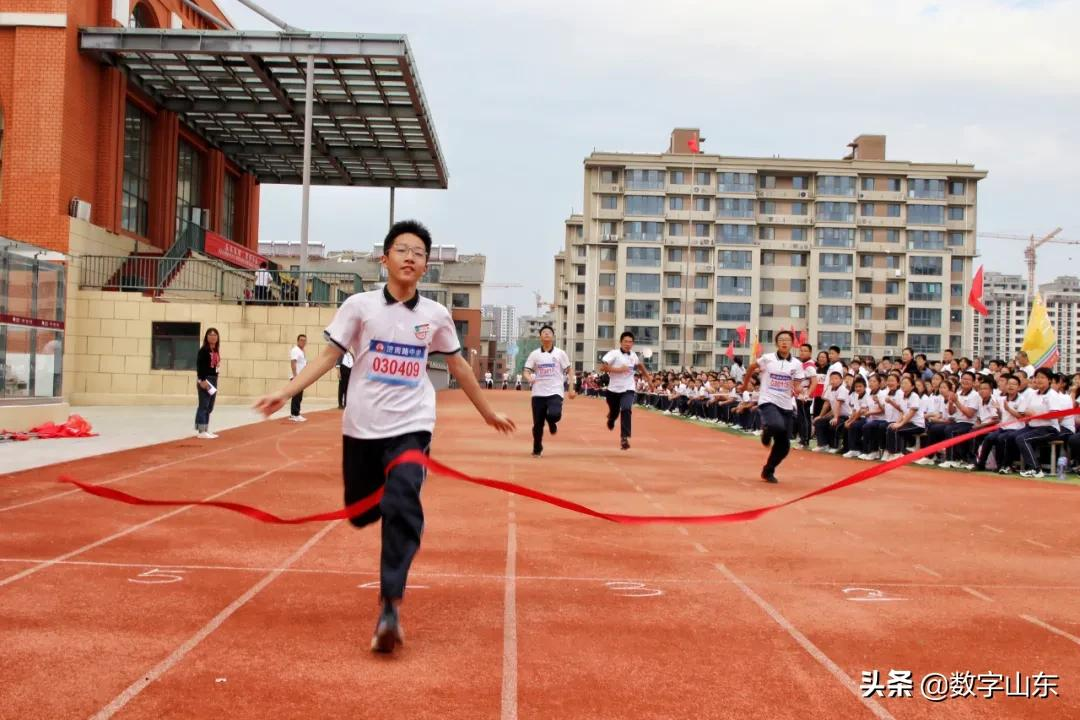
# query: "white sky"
{"points": [[991, 82]]}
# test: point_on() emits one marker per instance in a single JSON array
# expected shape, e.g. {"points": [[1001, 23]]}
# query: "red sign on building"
{"points": [[6, 319], [232, 253]]}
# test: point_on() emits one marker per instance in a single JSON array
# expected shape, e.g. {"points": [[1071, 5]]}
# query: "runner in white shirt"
{"points": [[489, 381], [390, 333], [297, 362], [546, 368], [780, 383], [619, 365]]}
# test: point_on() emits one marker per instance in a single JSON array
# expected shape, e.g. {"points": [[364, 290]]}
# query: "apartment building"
{"points": [[503, 321], [682, 248], [1001, 332], [1062, 298]]}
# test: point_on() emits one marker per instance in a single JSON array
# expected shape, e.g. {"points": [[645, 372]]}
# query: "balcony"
{"points": [[701, 241], [672, 345], [881, 196], [679, 188], [785, 219], [609, 214], [895, 326], [797, 245], [703, 268], [677, 215], [889, 222], [675, 267], [702, 215], [879, 274], [736, 188], [701, 320], [959, 224], [701, 346], [701, 294], [783, 194], [673, 319], [673, 293], [677, 240]]}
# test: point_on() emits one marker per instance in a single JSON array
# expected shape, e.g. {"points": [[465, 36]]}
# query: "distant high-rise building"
{"points": [[503, 319], [682, 248]]}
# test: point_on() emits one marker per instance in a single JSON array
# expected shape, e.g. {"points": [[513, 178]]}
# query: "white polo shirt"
{"points": [[301, 361], [778, 377], [549, 369], [389, 390], [621, 382]]}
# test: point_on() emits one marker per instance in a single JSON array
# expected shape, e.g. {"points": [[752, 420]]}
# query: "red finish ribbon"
{"points": [[418, 458]]}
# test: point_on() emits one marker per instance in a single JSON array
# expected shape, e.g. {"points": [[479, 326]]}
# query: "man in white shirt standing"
{"points": [[391, 332], [297, 363], [780, 383], [344, 370], [545, 369], [262, 284], [619, 365]]}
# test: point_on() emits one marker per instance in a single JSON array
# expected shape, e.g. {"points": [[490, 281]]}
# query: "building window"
{"points": [[605, 332], [956, 316], [644, 205], [797, 311], [459, 300], [735, 182], [956, 290], [956, 187], [701, 230], [839, 289], [798, 285], [926, 189], [643, 309], [835, 237], [702, 255], [924, 343], [956, 212], [174, 345], [727, 285], [738, 234], [892, 236], [645, 180], [866, 312], [141, 17], [892, 312], [834, 314], [733, 312], [228, 207], [924, 317], [609, 177], [862, 337], [189, 172], [579, 347], [642, 257], [867, 183], [765, 310], [892, 339], [798, 234], [703, 178], [643, 282], [645, 334], [926, 215], [672, 332], [580, 309], [766, 233], [768, 284], [701, 282], [701, 334], [956, 239], [605, 306], [866, 261], [677, 177], [924, 291], [672, 280], [836, 212], [608, 254], [702, 204], [834, 262], [676, 203], [607, 279], [734, 259], [922, 265], [835, 185], [737, 207], [135, 193], [673, 307], [892, 287], [867, 209], [840, 339], [957, 264], [676, 229], [701, 307], [675, 254], [768, 258], [799, 259]]}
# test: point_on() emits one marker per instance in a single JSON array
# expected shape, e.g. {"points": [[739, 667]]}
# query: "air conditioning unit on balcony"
{"points": [[803, 194], [79, 209], [862, 195], [609, 238], [616, 188]]}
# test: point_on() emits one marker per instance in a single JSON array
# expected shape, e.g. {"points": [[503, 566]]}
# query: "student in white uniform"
{"points": [[1038, 432], [391, 332], [781, 376], [297, 362], [619, 365], [546, 368]]}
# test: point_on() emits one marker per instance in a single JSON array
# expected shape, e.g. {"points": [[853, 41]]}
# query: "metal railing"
{"points": [[199, 278]]}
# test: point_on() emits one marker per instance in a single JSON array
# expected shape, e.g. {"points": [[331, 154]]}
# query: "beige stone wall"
{"points": [[107, 355]]}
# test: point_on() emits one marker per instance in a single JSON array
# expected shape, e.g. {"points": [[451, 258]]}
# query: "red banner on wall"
{"points": [[233, 253], [6, 319]]}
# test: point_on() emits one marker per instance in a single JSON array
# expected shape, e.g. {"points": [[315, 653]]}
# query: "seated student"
{"points": [[1071, 389], [875, 432], [987, 413], [937, 416], [964, 410], [830, 418], [1037, 432], [726, 401], [997, 442], [745, 412], [911, 424], [858, 407], [871, 415]]}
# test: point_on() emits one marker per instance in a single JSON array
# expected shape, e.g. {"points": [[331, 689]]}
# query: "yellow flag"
{"points": [[1040, 340]]}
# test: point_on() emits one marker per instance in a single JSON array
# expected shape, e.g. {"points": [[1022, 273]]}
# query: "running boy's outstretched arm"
{"points": [[465, 378], [270, 404]]}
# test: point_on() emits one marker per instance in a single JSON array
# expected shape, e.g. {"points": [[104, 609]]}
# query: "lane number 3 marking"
{"points": [[632, 589], [157, 576], [857, 594]]}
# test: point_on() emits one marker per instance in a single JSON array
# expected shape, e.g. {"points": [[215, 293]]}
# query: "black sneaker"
{"points": [[538, 453], [388, 632], [552, 428], [625, 444], [766, 436], [611, 423], [768, 476]]}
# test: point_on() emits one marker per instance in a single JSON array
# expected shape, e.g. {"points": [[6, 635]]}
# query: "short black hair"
{"points": [[407, 227], [301, 335], [783, 333], [626, 334], [546, 327], [808, 346], [834, 348]]}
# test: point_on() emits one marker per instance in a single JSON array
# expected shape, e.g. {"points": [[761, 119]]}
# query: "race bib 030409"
{"points": [[396, 363]]}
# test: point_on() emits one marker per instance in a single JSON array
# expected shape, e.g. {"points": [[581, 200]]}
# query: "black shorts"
{"points": [[364, 471]]}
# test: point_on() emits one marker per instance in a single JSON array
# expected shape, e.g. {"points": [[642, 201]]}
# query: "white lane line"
{"points": [[701, 548], [1036, 543], [823, 521], [976, 593], [887, 551], [134, 528], [683, 530], [191, 643], [814, 651], [110, 481], [1057, 631], [992, 529], [852, 535], [955, 516], [509, 666], [927, 570], [647, 496]]}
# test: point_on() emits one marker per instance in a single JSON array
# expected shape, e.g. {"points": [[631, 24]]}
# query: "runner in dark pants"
{"points": [[545, 369], [619, 365], [780, 376]]}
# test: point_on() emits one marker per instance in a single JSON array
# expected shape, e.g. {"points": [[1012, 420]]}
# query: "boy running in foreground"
{"points": [[390, 333]]}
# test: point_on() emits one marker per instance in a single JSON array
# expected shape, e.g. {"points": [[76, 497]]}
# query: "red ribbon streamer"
{"points": [[419, 458]]}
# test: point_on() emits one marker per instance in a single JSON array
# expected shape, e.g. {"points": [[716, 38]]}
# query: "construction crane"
{"points": [[1029, 251], [541, 303]]}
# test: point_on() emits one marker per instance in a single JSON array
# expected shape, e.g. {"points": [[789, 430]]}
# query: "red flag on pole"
{"points": [[730, 350], [976, 294], [692, 143], [742, 334]]}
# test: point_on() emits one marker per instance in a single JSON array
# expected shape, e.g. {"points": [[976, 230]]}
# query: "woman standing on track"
{"points": [[545, 370], [206, 373]]}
